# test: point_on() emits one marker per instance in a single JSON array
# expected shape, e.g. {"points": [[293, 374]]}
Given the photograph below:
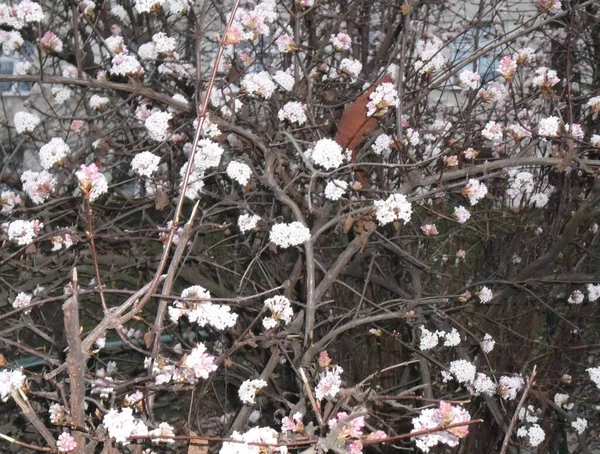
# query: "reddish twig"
{"points": [[515, 417]]}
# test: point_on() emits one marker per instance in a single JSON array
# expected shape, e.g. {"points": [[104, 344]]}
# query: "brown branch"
{"points": [[76, 361]]}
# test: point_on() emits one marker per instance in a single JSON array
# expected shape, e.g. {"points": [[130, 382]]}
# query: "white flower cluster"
{"points": [[10, 380], [248, 390], [394, 208], [281, 310], [545, 78], [284, 79], [53, 152], [61, 94], [485, 295], [335, 189], [430, 339], [327, 154], [22, 300], [341, 42], [256, 435], [99, 102], [24, 233], [115, 44], [493, 92], [292, 234], [38, 185], [430, 55], [163, 43], [593, 292], [549, 127], [351, 68], [520, 183], [382, 144], [493, 132], [208, 155], [18, 16], [463, 370], [147, 51], [508, 387], [126, 65], [145, 163], [469, 79], [330, 382], [474, 191], [594, 375], [259, 84], [8, 201], [576, 297], [482, 385], [580, 424], [488, 343], [121, 425], [562, 400], [247, 222], [198, 309], [535, 434], [239, 172], [157, 125], [432, 418], [380, 101], [25, 122], [164, 432], [461, 214], [294, 112]]}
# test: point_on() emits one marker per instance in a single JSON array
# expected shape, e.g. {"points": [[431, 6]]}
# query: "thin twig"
{"points": [[513, 422]]}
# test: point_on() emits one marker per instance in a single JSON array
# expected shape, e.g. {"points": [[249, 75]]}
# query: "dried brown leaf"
{"points": [[161, 200]]}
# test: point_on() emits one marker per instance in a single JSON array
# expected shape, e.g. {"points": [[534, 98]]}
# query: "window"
{"points": [[471, 41], [8, 65]]}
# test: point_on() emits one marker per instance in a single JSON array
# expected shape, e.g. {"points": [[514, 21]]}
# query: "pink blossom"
{"points": [[285, 43], [91, 182], [384, 97], [341, 41], [200, 362], [324, 359], [66, 442], [507, 68], [51, 43], [76, 126]]}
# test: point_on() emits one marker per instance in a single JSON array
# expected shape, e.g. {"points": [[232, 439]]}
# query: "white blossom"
{"points": [[463, 370], [157, 125], [329, 383], [335, 189], [294, 112], [239, 172], [25, 122], [485, 295], [286, 235], [593, 292], [396, 207], [488, 343], [53, 152], [247, 222], [145, 163], [10, 380], [576, 297], [285, 80], [259, 84], [382, 144], [249, 389], [327, 154], [580, 424]]}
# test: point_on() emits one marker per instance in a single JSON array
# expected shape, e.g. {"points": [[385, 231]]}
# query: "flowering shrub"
{"points": [[295, 225]]}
